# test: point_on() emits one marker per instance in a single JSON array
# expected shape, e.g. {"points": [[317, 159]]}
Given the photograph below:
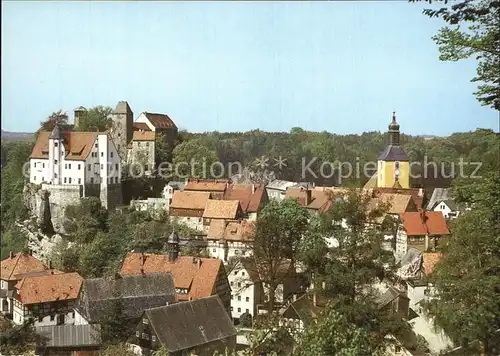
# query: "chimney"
{"points": [[420, 192], [253, 188], [11, 254], [308, 197], [141, 259], [50, 264], [294, 297]]}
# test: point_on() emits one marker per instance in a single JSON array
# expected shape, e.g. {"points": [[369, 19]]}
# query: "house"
{"points": [[170, 188], [247, 291], [78, 163], [158, 205], [12, 269], [68, 340], [188, 207], [252, 198], [199, 327], [141, 151], [159, 124], [135, 292], [448, 208], [277, 189], [438, 194], [228, 239], [216, 187], [220, 210], [394, 302], [422, 230], [194, 277], [398, 203], [314, 200], [49, 299]]}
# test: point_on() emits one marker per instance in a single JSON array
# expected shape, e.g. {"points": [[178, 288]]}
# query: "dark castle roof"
{"points": [[186, 325], [393, 153], [137, 293]]}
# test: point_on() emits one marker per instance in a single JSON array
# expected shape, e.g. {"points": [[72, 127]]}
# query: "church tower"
{"points": [[393, 163], [122, 128]]}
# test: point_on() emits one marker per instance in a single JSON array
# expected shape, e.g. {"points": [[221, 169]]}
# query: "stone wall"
{"points": [[111, 195]]}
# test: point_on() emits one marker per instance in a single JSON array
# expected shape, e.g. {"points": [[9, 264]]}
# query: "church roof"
{"points": [[393, 153]]}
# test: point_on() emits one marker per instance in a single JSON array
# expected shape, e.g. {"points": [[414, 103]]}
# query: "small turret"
{"points": [[56, 133], [173, 246], [393, 131]]}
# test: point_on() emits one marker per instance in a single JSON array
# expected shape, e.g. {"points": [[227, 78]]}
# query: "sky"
{"points": [[341, 67]]}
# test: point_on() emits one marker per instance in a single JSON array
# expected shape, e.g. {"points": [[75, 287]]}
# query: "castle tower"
{"points": [[56, 150], [393, 163], [79, 112], [173, 246], [122, 128]]}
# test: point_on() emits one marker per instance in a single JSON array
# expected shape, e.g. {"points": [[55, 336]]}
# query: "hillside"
{"points": [[15, 136]]}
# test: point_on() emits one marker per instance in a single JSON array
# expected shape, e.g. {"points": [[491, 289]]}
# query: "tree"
{"points": [[117, 350], [246, 320], [467, 279], [57, 117], [480, 39], [114, 323], [95, 119], [279, 229], [334, 335], [191, 159], [85, 220], [19, 339]]}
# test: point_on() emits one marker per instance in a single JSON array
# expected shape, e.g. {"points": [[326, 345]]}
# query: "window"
{"points": [[70, 180], [95, 145], [397, 348], [78, 166], [55, 175], [43, 165], [56, 144], [102, 166], [100, 180], [91, 179], [43, 179], [55, 161], [138, 143], [239, 298], [40, 319], [65, 166], [145, 321], [69, 166], [89, 167], [64, 179], [147, 144], [239, 284], [153, 338], [214, 250], [396, 164], [79, 181], [73, 315], [34, 178], [116, 179], [102, 154], [145, 336], [247, 299], [232, 308], [239, 310], [111, 154], [231, 283], [116, 166], [52, 317], [232, 297], [242, 273], [247, 311]]}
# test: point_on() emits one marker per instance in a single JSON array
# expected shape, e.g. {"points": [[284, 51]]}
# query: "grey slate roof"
{"points": [[437, 195], [186, 325], [137, 293], [56, 133], [122, 108], [449, 202], [280, 184], [393, 153], [389, 295], [69, 335]]}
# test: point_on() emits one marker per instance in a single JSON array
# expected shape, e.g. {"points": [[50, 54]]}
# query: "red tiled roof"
{"points": [[17, 264], [221, 209], [160, 121], [199, 275], [430, 261], [143, 136], [77, 144], [141, 126], [250, 196], [207, 185], [424, 223], [320, 199], [414, 192], [49, 288], [189, 200], [231, 230]]}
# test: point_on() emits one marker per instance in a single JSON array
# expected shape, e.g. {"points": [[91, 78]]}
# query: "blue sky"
{"points": [[342, 67]]}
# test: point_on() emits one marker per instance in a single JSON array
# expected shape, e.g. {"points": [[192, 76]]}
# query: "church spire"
{"points": [[393, 131]]}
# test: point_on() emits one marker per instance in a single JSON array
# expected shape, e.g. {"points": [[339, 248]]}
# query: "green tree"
{"points": [[19, 339], [279, 229], [117, 350], [334, 335], [473, 32], [115, 324], [95, 119], [85, 220], [192, 159], [467, 279], [57, 117], [246, 320]]}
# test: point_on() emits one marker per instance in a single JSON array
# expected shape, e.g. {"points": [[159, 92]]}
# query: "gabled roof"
{"points": [[231, 230], [70, 335], [399, 203], [418, 197], [198, 275], [189, 200], [221, 209], [438, 194], [320, 199], [187, 325], [122, 108], [160, 121], [250, 196], [136, 292], [280, 184], [143, 136], [450, 203], [77, 144], [393, 153], [49, 288], [207, 185], [389, 295], [141, 126], [17, 264], [424, 223]]}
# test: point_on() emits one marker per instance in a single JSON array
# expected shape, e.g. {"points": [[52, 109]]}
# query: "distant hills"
{"points": [[16, 136]]}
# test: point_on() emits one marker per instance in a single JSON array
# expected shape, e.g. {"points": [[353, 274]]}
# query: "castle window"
{"points": [[34, 164], [247, 299], [91, 179], [102, 166], [239, 299], [65, 166], [138, 143], [116, 179], [34, 177], [55, 161], [96, 145], [56, 144], [147, 144], [69, 166], [79, 181], [64, 179], [70, 180], [116, 166], [43, 165], [78, 166], [111, 154], [239, 310], [89, 167], [397, 164], [153, 338]]}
